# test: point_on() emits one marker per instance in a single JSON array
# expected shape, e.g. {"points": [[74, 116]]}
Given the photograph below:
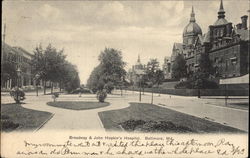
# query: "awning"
{"points": [[236, 80]]}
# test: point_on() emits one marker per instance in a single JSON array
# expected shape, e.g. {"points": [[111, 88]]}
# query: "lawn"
{"points": [[156, 116], [78, 105], [15, 117]]}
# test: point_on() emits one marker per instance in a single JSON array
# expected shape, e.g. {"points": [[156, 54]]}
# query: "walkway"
{"points": [[66, 119], [89, 119]]}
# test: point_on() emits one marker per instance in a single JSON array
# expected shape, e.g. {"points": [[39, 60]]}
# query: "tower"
{"points": [[221, 16], [192, 30]]}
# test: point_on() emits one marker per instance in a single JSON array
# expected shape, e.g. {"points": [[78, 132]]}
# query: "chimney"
{"points": [[229, 29], [244, 22], [238, 26]]}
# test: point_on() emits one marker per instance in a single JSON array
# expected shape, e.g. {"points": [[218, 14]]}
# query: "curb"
{"points": [[100, 121], [44, 123]]}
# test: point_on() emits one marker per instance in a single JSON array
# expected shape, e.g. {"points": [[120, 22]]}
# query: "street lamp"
{"points": [[18, 76], [140, 77], [17, 90]]}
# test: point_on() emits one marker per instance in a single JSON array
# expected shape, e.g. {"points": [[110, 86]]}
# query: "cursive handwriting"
{"points": [[133, 146]]}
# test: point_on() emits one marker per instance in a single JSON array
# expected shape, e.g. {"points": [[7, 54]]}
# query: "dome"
{"points": [[220, 22], [221, 16], [192, 29]]}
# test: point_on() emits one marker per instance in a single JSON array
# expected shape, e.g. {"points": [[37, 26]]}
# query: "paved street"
{"points": [[88, 119]]}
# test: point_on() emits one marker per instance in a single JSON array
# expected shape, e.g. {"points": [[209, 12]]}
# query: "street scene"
{"points": [[146, 67]]}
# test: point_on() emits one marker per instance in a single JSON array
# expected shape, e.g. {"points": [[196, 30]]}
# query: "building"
{"points": [[20, 58], [226, 45], [136, 72], [166, 68]]}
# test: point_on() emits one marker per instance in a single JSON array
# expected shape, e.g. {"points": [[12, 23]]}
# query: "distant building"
{"points": [[227, 46], [20, 58], [166, 68], [137, 70]]}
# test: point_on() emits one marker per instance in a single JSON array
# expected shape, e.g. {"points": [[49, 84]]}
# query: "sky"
{"points": [[84, 28]]}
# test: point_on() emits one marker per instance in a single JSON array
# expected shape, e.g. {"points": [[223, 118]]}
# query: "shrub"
{"points": [[54, 96], [184, 84], [130, 125], [81, 90], [154, 126], [18, 94], [101, 96], [197, 84], [7, 125]]}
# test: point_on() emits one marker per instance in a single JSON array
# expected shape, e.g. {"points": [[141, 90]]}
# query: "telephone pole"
{"points": [[4, 35]]}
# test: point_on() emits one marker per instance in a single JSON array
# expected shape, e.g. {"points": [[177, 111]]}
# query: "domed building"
{"points": [[226, 46], [191, 31], [137, 70], [221, 16]]}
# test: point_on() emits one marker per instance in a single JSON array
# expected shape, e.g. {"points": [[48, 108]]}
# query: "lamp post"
{"points": [[140, 88], [18, 76], [17, 91]]}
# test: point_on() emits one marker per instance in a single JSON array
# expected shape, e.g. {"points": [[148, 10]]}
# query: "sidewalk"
{"points": [[233, 117]]}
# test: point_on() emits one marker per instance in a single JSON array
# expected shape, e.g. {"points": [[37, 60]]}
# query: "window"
{"points": [[233, 60], [221, 32], [215, 60]]}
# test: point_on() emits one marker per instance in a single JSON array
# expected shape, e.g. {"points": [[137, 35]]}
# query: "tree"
{"points": [[112, 66], [159, 78], [179, 67], [51, 65], [152, 67], [9, 72], [54, 64], [154, 74], [95, 81], [69, 77], [38, 63], [206, 65], [109, 73]]}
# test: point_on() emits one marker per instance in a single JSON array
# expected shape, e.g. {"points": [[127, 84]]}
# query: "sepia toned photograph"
{"points": [[74, 72]]}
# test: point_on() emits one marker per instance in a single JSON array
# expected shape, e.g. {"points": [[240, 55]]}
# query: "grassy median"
{"points": [[151, 118], [77, 105], [15, 117]]}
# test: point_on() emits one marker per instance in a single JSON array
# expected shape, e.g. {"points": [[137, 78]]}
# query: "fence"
{"points": [[194, 92]]}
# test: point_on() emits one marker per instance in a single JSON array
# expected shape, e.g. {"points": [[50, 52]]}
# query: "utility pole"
{"points": [[3, 48], [4, 35]]}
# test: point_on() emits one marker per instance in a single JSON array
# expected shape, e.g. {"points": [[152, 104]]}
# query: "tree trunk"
{"points": [[152, 97], [121, 91], [143, 90], [44, 87], [60, 86], [51, 84], [159, 90]]}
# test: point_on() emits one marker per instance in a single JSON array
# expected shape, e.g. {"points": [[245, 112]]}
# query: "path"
{"points": [[66, 119], [89, 119]]}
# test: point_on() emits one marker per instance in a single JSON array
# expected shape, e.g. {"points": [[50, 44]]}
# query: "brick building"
{"points": [[227, 46], [20, 58]]}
